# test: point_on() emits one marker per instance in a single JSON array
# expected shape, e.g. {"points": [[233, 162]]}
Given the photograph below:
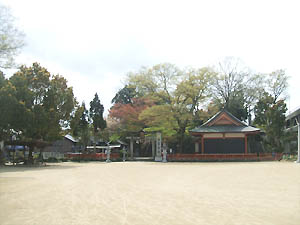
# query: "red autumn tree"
{"points": [[128, 114]]}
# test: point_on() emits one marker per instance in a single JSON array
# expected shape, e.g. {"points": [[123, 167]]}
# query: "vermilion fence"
{"points": [[225, 157], [91, 156], [186, 157]]}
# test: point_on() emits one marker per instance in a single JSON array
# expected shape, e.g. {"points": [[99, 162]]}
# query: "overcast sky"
{"points": [[95, 43]]}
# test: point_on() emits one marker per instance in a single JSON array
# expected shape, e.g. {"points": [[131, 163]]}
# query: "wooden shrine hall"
{"points": [[223, 134]]}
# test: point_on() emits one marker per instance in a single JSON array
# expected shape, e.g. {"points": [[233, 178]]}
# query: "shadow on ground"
{"points": [[24, 168]]}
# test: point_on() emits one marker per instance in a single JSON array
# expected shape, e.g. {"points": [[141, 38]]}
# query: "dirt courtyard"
{"points": [[137, 193]]}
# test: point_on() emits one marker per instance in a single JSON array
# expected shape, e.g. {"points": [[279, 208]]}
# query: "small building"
{"points": [[291, 127], [66, 144], [223, 134], [291, 120]]}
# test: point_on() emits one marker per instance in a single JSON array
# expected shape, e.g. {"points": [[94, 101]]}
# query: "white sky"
{"points": [[95, 43]]}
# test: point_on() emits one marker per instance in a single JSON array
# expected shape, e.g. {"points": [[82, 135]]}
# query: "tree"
{"points": [[124, 95], [80, 124], [42, 104], [190, 94], [11, 38], [84, 126], [96, 116], [7, 103], [177, 95], [236, 89], [159, 118], [229, 80], [270, 116], [277, 83], [47, 99], [128, 115]]}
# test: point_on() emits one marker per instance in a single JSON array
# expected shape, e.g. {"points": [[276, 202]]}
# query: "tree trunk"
{"points": [[182, 127], [41, 158], [2, 157], [181, 139], [30, 157]]}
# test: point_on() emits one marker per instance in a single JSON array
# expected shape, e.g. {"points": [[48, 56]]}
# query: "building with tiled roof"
{"points": [[223, 134]]}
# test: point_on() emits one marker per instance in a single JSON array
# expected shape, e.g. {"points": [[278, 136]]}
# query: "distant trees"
{"points": [[179, 99], [86, 123], [39, 107], [36, 105], [175, 96], [11, 38]]}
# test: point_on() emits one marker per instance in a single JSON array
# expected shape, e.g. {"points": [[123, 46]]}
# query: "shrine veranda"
{"points": [[138, 193]]}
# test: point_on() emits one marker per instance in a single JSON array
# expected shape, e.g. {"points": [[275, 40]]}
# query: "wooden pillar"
{"points": [[202, 144], [246, 144]]}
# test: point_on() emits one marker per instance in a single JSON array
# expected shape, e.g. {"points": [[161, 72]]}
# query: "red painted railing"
{"points": [[91, 156], [186, 157], [224, 157]]}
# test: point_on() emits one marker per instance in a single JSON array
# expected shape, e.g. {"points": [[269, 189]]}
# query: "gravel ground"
{"points": [[137, 193]]}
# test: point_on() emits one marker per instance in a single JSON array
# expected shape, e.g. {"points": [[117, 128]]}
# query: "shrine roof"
{"points": [[224, 122], [224, 129]]}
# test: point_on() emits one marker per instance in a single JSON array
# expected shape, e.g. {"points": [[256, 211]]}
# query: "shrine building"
{"points": [[223, 134]]}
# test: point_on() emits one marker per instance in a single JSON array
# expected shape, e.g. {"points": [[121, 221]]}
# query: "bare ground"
{"points": [[137, 193]]}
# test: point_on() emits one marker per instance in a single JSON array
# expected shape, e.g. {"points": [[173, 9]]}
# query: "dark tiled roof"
{"points": [[241, 128], [224, 129]]}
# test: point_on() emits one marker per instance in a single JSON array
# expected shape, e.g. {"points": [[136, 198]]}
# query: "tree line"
{"points": [[38, 106], [171, 100]]}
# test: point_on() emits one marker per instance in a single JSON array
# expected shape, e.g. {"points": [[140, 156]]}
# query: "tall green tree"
{"points": [[11, 38], [43, 104], [96, 116], [47, 99], [124, 95], [270, 116], [80, 124], [8, 104], [84, 126]]}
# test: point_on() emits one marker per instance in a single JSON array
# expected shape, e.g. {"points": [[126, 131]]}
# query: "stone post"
{"points": [[153, 146], [108, 155], [164, 153], [124, 154], [158, 157]]}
